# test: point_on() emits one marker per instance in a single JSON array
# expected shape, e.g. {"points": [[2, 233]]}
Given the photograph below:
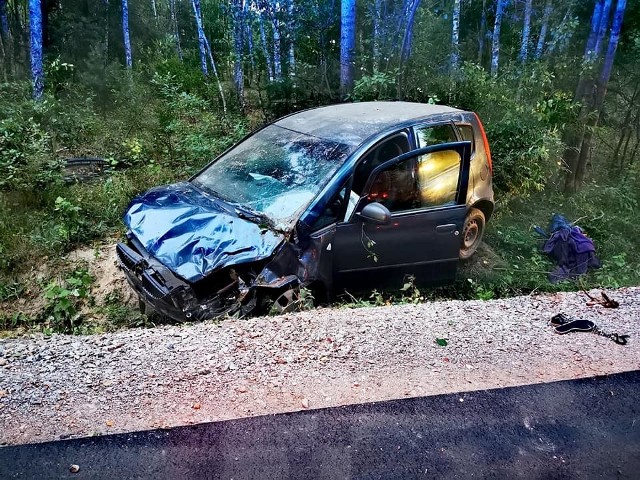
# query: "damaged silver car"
{"points": [[351, 196]]}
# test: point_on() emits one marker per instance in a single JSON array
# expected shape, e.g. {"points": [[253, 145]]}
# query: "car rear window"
{"points": [[435, 135], [467, 135]]}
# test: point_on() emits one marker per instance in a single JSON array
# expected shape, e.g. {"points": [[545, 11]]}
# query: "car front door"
{"points": [[424, 192]]}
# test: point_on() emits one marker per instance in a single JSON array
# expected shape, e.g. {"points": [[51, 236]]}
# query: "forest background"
{"points": [[158, 88]]}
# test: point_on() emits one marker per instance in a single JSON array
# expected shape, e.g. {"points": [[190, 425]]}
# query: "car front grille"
{"points": [[127, 257]]}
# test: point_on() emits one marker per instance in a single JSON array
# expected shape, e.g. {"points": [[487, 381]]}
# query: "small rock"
{"points": [[196, 406], [242, 389], [305, 403], [3, 362], [74, 468]]}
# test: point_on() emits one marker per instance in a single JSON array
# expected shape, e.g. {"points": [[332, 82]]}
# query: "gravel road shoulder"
{"points": [[67, 386]]}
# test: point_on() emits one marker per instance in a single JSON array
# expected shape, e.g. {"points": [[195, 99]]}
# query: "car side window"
{"points": [[467, 135], [333, 211], [429, 180], [396, 187], [438, 176], [435, 135], [381, 153]]}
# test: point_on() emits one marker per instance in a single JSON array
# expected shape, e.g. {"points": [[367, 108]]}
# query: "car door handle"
{"points": [[448, 228]]}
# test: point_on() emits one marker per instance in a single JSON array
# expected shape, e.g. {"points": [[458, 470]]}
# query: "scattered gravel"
{"points": [[66, 386]]}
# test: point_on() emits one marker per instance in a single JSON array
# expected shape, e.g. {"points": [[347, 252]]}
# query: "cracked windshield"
{"points": [[276, 172]]}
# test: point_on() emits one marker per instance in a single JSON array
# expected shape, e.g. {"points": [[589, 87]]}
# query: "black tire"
{"points": [[472, 233]]}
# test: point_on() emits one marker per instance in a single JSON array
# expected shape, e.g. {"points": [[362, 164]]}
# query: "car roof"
{"points": [[353, 123]]}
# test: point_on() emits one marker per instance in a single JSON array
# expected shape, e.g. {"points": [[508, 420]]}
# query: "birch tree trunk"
{"points": [[291, 38], [347, 45], [154, 9], [408, 33], [575, 134], [602, 29], [377, 27], [175, 27], [542, 39], [125, 33], [202, 41], [601, 90], [455, 36], [526, 29], [495, 44], [4, 22], [275, 23], [205, 49], [483, 31], [265, 49], [4, 39], [248, 33], [35, 33], [237, 9]]}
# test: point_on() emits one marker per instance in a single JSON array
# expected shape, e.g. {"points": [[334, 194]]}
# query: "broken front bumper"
{"points": [[158, 288]]}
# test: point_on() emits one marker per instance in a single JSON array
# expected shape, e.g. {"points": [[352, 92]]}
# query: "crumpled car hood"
{"points": [[192, 235]]}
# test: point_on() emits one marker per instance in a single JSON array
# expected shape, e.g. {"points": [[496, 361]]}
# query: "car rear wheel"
{"points": [[472, 233]]}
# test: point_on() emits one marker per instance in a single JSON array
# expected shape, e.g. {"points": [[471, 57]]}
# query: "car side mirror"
{"points": [[375, 213]]}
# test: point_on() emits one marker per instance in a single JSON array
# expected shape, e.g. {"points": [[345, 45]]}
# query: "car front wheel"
{"points": [[472, 233]]}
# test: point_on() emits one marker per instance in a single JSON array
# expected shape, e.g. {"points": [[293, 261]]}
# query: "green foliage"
{"points": [[192, 130], [119, 315], [25, 145], [410, 293], [15, 320], [11, 290], [377, 86], [64, 299]]}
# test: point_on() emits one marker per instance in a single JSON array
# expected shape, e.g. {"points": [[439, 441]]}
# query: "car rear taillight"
{"points": [[486, 143]]}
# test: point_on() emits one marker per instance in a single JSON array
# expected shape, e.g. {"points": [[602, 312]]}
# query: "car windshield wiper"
{"points": [[253, 215]]}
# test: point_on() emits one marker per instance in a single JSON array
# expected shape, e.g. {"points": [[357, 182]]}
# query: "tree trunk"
{"points": [[347, 46], [154, 9], [238, 48], [603, 82], [125, 33], [526, 29], [275, 21], [625, 130], [291, 39], [408, 33], [455, 36], [4, 22], [175, 27], [202, 41], [377, 27], [593, 33], [215, 74], [548, 8], [483, 31], [4, 36], [35, 30], [602, 29], [248, 32], [495, 44], [265, 49], [574, 135]]}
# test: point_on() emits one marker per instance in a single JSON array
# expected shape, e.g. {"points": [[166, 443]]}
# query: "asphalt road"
{"points": [[573, 429]]}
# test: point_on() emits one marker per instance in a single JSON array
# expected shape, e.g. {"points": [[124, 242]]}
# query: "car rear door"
{"points": [[425, 191]]}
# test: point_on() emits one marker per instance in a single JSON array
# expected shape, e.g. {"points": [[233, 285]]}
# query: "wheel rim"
{"points": [[286, 302], [471, 234]]}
